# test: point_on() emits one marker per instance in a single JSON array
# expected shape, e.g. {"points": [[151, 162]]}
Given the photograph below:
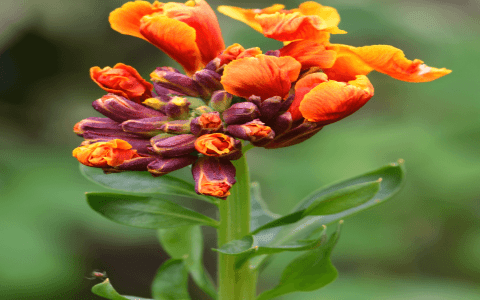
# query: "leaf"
{"points": [[143, 183], [308, 272], [106, 290], [260, 215], [334, 202], [171, 281], [144, 212], [187, 243]]}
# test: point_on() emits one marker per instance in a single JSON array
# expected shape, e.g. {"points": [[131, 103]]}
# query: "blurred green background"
{"points": [[423, 244]]}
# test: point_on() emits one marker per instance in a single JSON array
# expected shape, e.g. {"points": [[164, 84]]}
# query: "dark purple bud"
{"points": [[177, 108], [208, 80], [134, 164], [121, 109], [255, 100], [177, 127], [213, 64], [221, 100], [206, 123], [254, 131], [273, 53], [173, 146], [175, 82], [213, 176], [270, 107], [146, 127], [162, 166], [99, 125], [282, 123], [240, 113], [287, 103], [296, 135]]}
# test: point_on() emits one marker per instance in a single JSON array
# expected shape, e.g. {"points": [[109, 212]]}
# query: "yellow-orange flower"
{"points": [[104, 154], [309, 21], [122, 80], [215, 144], [189, 33]]}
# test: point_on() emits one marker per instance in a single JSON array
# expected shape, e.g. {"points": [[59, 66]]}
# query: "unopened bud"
{"points": [[255, 131], [208, 80], [213, 177], [295, 135], [201, 110], [206, 123], [177, 127], [177, 108], [146, 127], [282, 123], [121, 109], [255, 100], [175, 81], [219, 145], [100, 125], [240, 113], [173, 146], [155, 103], [221, 100], [162, 166], [134, 164], [270, 107]]}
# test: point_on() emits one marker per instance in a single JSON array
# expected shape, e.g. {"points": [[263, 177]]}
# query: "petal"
{"points": [[292, 26], [302, 87], [328, 14], [385, 59], [247, 16], [263, 76], [175, 38], [126, 19], [236, 51], [310, 54], [332, 101]]}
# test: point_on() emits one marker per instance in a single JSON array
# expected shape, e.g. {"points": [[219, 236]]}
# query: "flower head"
{"points": [[103, 154]]}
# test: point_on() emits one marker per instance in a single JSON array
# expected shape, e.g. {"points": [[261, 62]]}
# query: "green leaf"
{"points": [[187, 243], [144, 212], [106, 290], [308, 272], [334, 202], [171, 281], [260, 215], [143, 183]]}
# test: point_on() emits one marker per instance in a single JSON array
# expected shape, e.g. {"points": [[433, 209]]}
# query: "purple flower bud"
{"points": [[282, 123], [162, 166], [220, 100], [177, 127], [177, 108], [287, 103], [121, 109], [174, 81], [213, 64], [296, 135], [146, 127], [95, 124], [254, 131], [174, 146], [134, 164], [156, 104], [206, 123], [270, 107], [208, 80], [255, 100], [273, 53], [240, 113], [213, 176]]}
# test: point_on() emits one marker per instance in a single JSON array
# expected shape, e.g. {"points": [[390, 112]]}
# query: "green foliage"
{"points": [[259, 213], [187, 243], [106, 290], [145, 212], [171, 281], [143, 183]]}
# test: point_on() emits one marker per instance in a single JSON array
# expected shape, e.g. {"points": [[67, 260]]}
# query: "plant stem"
{"points": [[235, 284]]}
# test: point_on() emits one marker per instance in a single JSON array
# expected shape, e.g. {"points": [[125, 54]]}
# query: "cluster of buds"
{"points": [[274, 99]]}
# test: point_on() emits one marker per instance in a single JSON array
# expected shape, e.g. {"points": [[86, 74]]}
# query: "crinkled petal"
{"points": [[302, 87], [126, 19], [310, 54], [291, 26], [329, 15], [247, 16]]}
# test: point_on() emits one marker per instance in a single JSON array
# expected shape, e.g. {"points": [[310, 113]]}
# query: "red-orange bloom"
{"points": [[122, 80], [104, 154], [189, 33], [215, 144], [310, 54], [326, 101], [264, 76], [309, 21], [236, 51], [352, 61]]}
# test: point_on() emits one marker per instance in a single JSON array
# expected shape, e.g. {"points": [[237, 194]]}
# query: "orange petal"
{"points": [[264, 76], [236, 51], [126, 19], [200, 16], [329, 15], [103, 154], [332, 101], [247, 16], [302, 87], [310, 54], [385, 59], [175, 38]]}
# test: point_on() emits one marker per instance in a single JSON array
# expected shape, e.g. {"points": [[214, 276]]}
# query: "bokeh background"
{"points": [[423, 244]]}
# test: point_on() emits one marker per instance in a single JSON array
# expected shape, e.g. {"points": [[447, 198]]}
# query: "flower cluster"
{"points": [[274, 99]]}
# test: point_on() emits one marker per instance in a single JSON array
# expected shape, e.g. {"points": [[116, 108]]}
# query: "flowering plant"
{"points": [[230, 100]]}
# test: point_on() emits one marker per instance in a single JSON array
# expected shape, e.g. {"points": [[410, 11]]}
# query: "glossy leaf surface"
{"points": [[145, 212], [106, 290], [171, 281]]}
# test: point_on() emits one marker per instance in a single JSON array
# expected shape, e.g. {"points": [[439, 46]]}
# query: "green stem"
{"points": [[235, 284]]}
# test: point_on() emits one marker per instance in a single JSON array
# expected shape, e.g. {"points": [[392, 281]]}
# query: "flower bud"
{"points": [[270, 107], [176, 127], [122, 80], [202, 110], [101, 125], [213, 177], [206, 123], [254, 131], [104, 154], [173, 146], [255, 100], [175, 81], [287, 103], [220, 100], [145, 127], [162, 166], [135, 164], [121, 109], [156, 104], [141, 145], [177, 108], [219, 145], [208, 80], [296, 135], [282, 123], [240, 113]]}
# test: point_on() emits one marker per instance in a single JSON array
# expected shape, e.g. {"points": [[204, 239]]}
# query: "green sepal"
{"points": [[106, 290], [143, 184], [187, 243], [145, 212], [308, 272], [171, 281]]}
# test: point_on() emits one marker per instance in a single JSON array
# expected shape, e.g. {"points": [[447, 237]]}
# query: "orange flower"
{"points": [[309, 21], [236, 51], [264, 76], [310, 54], [104, 154], [324, 101], [122, 80], [189, 33], [213, 176], [352, 61], [216, 144]]}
